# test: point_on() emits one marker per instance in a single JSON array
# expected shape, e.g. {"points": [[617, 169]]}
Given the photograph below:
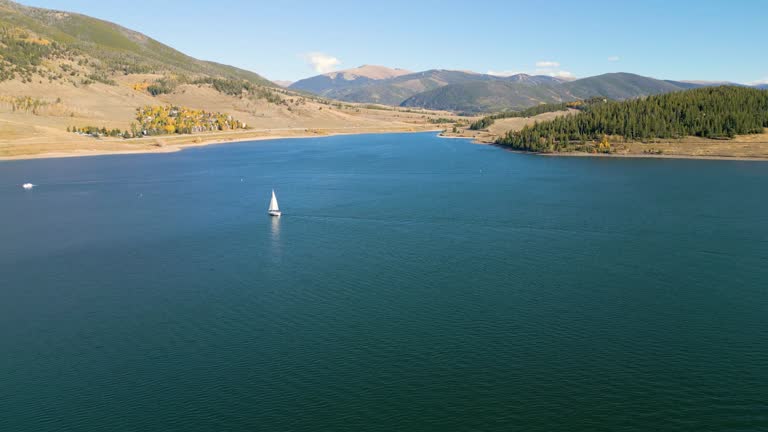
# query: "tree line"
{"points": [[530, 112], [165, 120], [710, 112]]}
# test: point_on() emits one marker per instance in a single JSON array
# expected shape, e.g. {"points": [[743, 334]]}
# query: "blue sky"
{"points": [[289, 40]]}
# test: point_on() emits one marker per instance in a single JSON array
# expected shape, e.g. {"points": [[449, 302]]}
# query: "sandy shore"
{"points": [[655, 156], [617, 155], [169, 144], [718, 157], [632, 155], [174, 143], [440, 135]]}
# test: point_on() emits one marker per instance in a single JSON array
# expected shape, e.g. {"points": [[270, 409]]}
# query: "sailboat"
{"points": [[274, 210]]}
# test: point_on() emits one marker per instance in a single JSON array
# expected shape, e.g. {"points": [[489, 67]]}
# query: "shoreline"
{"points": [[750, 148], [177, 147], [455, 137], [631, 155], [655, 156], [189, 142]]}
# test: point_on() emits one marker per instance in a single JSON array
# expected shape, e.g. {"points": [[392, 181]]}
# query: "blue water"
{"points": [[413, 283]]}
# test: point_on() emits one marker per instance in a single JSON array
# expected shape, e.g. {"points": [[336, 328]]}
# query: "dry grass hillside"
{"points": [[72, 84], [34, 117], [502, 126]]}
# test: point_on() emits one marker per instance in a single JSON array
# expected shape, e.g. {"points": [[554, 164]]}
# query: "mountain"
{"points": [[685, 84], [463, 91], [534, 79], [395, 90], [392, 90], [619, 85], [762, 86], [372, 72], [519, 92], [331, 83], [29, 36], [352, 86], [488, 96]]}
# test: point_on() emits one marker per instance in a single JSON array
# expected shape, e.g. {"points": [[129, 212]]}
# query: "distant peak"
{"points": [[374, 72]]}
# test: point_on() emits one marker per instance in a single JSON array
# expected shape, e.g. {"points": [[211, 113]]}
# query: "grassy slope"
{"points": [[115, 47], [59, 83], [28, 133]]}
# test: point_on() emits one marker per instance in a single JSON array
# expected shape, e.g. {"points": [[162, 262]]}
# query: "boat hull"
{"points": [[275, 213]]}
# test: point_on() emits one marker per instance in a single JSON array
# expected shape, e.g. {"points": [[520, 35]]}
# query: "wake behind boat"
{"points": [[274, 210]]}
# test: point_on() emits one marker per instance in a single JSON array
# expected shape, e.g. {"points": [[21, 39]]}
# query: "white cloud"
{"points": [[560, 74], [504, 73], [547, 64], [614, 58], [760, 82], [551, 68], [322, 63], [553, 73]]}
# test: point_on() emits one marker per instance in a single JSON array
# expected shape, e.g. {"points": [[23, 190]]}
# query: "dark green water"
{"points": [[413, 283]]}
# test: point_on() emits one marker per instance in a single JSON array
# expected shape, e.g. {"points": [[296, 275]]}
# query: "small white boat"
{"points": [[274, 210], [27, 186]]}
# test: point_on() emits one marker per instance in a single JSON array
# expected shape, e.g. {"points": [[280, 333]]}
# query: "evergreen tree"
{"points": [[712, 112]]}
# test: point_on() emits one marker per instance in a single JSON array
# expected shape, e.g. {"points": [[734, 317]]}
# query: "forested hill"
{"points": [[711, 112]]}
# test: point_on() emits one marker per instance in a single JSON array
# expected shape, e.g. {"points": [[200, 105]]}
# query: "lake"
{"points": [[412, 283]]}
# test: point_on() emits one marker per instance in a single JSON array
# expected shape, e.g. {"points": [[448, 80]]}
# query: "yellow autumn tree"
{"points": [[605, 145]]}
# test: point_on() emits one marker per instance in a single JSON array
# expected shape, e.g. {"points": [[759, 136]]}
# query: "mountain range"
{"points": [[391, 90], [470, 92]]}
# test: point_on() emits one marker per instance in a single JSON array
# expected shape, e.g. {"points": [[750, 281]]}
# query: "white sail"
{"points": [[273, 203]]}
